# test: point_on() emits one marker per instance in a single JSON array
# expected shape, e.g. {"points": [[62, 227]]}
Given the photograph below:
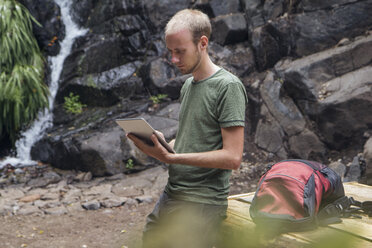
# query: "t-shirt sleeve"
{"points": [[231, 105]]}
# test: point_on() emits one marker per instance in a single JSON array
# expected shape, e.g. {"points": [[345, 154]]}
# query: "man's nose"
{"points": [[175, 59]]}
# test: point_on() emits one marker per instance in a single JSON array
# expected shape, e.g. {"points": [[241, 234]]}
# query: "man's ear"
{"points": [[204, 42]]}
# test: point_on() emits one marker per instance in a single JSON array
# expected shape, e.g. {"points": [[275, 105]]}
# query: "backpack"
{"points": [[298, 195]]}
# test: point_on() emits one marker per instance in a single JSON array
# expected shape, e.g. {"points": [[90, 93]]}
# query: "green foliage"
{"points": [[22, 89], [129, 165], [72, 104], [158, 98]]}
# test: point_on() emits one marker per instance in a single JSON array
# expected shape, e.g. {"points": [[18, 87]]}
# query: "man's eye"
{"points": [[179, 52]]}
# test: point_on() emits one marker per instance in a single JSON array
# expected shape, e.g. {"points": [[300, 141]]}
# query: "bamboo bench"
{"points": [[239, 226]]}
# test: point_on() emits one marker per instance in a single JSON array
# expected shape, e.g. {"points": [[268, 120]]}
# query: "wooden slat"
{"points": [[239, 219], [355, 227], [358, 191], [361, 229]]}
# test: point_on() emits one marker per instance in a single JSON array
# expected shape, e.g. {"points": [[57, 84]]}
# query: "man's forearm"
{"points": [[222, 159], [229, 157]]}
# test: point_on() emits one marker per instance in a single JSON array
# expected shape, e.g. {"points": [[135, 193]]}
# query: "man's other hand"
{"points": [[157, 151]]}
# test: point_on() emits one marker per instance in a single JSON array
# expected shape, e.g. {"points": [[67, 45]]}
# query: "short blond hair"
{"points": [[195, 21]]}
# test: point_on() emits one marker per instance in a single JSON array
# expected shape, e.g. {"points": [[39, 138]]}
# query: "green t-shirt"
{"points": [[206, 106]]}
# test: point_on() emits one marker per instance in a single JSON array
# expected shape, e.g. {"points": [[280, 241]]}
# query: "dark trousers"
{"points": [[177, 224]]}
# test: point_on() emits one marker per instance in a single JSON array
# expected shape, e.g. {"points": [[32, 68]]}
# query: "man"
{"points": [[209, 142]]}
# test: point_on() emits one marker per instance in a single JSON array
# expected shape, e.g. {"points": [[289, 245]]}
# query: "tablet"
{"points": [[142, 129]]}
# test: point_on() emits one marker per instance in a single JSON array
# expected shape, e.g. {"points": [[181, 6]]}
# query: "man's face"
{"points": [[185, 54]]}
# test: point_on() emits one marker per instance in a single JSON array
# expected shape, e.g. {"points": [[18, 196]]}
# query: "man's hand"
{"points": [[156, 151]]}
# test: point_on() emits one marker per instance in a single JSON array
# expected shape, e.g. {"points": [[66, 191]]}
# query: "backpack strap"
{"points": [[332, 212], [365, 206], [342, 207]]}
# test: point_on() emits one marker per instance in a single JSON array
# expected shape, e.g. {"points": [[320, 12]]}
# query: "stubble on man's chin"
{"points": [[194, 67]]}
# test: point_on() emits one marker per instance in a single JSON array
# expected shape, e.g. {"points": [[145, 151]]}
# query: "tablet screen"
{"points": [[142, 129]]}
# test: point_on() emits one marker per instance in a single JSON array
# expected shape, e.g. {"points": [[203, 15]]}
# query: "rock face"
{"points": [[304, 33], [231, 29], [106, 152], [306, 66], [333, 88], [51, 31]]}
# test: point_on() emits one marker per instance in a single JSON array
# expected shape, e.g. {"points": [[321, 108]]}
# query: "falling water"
{"points": [[45, 117]]}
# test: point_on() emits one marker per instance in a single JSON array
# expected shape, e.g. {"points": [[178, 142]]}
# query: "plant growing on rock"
{"points": [[129, 164], [158, 98], [72, 104], [22, 89]]}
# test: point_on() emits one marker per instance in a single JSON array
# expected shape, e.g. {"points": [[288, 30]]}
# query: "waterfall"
{"points": [[45, 117]]}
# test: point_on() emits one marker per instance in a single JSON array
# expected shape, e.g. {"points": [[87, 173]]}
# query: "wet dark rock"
{"points": [[353, 173], [81, 11], [156, 48], [307, 145], [329, 26], [101, 146], [367, 154], [281, 106], [173, 86], [309, 5], [126, 25], [237, 58], [104, 153], [156, 74], [103, 89], [232, 28], [269, 135], [304, 78], [5, 145], [332, 91], [81, 153], [98, 53], [266, 47], [159, 12], [89, 13], [253, 12], [285, 120], [223, 8], [52, 30], [204, 6], [260, 12], [348, 102], [309, 32]]}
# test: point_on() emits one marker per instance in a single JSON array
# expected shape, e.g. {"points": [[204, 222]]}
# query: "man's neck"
{"points": [[206, 69]]}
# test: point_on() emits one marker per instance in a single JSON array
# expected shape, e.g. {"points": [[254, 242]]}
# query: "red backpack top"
{"points": [[291, 193]]}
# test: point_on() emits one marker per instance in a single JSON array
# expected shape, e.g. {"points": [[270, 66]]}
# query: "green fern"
{"points": [[72, 104], [22, 89]]}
